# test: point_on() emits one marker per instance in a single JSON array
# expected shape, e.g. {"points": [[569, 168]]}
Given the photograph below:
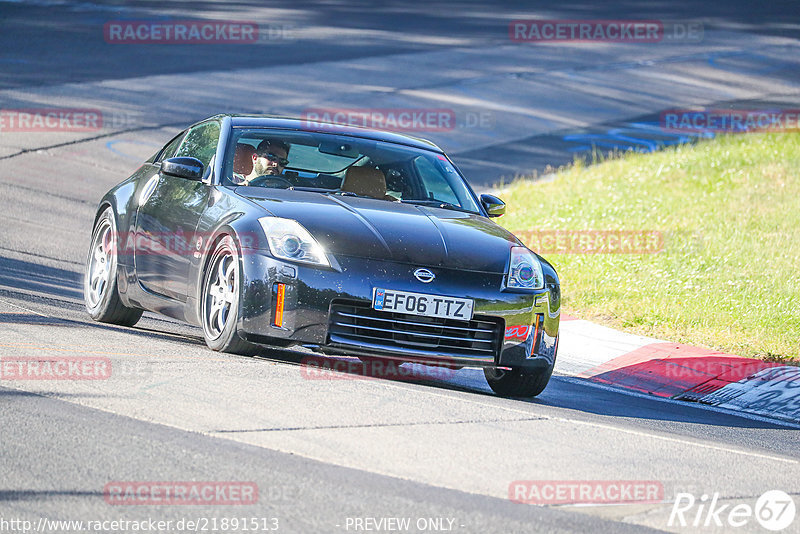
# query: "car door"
{"points": [[167, 219]]}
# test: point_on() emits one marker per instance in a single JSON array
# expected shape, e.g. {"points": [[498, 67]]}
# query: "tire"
{"points": [[100, 292], [517, 383], [219, 305]]}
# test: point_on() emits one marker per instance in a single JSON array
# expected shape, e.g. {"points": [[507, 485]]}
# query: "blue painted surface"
{"points": [[110, 145], [635, 136]]}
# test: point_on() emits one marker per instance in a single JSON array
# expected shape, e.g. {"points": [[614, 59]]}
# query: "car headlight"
{"points": [[524, 270], [288, 240]]}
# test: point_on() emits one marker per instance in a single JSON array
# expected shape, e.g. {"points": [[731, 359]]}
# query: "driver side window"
{"points": [[169, 148], [200, 142]]}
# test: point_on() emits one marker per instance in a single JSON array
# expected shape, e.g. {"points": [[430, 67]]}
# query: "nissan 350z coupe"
{"points": [[348, 241]]}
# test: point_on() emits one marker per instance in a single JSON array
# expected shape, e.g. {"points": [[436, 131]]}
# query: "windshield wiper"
{"points": [[436, 203]]}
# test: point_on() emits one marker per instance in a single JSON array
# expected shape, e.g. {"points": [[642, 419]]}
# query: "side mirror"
{"points": [[189, 168], [493, 205]]}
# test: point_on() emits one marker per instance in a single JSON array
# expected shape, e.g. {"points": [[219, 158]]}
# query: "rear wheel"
{"points": [[219, 307], [100, 279], [516, 382]]}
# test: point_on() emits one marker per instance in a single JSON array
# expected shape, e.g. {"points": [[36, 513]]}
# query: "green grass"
{"points": [[728, 210]]}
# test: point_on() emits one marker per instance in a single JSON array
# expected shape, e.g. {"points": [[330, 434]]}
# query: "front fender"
{"points": [[224, 216]]}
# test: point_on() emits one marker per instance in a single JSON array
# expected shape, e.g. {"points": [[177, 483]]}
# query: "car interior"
{"points": [[363, 168]]}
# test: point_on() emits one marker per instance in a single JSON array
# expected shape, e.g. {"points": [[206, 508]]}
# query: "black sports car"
{"points": [[271, 231]]}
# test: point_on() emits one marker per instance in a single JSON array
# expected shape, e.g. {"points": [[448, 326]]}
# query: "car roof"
{"points": [[287, 123]]}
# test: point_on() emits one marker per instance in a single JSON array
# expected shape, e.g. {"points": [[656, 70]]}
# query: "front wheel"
{"points": [[516, 382], [100, 293], [219, 307]]}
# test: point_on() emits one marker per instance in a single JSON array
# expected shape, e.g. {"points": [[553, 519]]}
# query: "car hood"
{"points": [[378, 229]]}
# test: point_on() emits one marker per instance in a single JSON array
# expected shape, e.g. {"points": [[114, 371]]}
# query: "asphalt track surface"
{"points": [[324, 452]]}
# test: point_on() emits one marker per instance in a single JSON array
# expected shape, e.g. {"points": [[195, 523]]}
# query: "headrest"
{"points": [[365, 181], [243, 159]]}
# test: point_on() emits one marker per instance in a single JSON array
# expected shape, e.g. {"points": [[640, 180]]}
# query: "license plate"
{"points": [[422, 304]]}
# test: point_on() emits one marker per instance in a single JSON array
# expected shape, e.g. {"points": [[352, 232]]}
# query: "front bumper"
{"points": [[526, 322]]}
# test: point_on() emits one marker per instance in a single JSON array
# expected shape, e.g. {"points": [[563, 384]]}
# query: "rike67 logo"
{"points": [[774, 510]]}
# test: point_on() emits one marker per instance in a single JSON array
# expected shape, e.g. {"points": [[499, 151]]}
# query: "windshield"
{"points": [[344, 165]]}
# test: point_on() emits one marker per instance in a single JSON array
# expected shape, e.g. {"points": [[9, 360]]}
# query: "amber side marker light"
{"points": [[279, 290]]}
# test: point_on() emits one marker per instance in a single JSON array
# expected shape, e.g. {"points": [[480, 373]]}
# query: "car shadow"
{"points": [[20, 275], [568, 393], [26, 281]]}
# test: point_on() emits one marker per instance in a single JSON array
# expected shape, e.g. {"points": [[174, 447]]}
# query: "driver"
{"points": [[270, 158]]}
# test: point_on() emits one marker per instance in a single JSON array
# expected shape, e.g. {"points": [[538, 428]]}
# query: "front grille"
{"points": [[359, 324]]}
